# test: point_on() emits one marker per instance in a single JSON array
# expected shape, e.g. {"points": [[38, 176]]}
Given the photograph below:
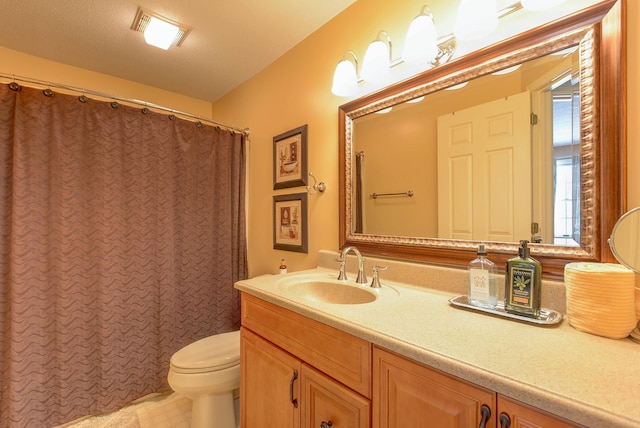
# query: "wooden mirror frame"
{"points": [[607, 196]]}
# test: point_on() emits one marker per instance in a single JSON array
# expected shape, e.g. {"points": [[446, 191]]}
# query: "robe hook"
{"points": [[317, 187]]}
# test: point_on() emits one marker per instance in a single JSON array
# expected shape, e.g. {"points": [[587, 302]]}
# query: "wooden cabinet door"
{"points": [[269, 384], [409, 395], [325, 400], [522, 416]]}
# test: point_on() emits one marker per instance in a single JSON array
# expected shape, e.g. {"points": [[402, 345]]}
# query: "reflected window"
{"points": [[566, 157]]}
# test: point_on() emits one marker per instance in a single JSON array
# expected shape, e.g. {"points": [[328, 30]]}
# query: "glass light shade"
{"points": [[456, 87], [476, 19], [345, 79], [421, 43], [160, 33], [507, 70], [540, 4], [376, 62]]}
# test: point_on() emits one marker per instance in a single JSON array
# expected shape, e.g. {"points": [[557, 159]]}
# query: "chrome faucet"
{"points": [[342, 276]]}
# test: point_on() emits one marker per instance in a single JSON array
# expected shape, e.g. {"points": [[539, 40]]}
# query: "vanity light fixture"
{"points": [[345, 78], [456, 87], [159, 31], [377, 59], [421, 42], [476, 19], [384, 110], [416, 100], [540, 4], [507, 70]]}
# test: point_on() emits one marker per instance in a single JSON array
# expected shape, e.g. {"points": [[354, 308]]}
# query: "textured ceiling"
{"points": [[229, 43]]}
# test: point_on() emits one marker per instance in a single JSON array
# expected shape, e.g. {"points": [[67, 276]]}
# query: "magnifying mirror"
{"points": [[625, 246], [625, 240]]}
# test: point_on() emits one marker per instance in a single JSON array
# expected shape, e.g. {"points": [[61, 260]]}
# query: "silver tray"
{"points": [[547, 316]]}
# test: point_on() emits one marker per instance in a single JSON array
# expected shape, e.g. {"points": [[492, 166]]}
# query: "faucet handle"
{"points": [[375, 282], [342, 276]]}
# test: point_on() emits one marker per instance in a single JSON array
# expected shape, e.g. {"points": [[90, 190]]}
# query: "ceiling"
{"points": [[230, 41]]}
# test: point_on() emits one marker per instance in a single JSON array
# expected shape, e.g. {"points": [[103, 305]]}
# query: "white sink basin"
{"points": [[332, 292]]}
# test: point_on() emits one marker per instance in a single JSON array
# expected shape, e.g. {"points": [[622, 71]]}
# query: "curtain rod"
{"points": [[84, 91]]}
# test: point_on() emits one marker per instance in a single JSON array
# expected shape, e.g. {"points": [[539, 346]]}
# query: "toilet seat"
{"points": [[212, 353]]}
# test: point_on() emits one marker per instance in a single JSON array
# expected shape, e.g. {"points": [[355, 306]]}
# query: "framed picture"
{"points": [[290, 158], [290, 222]]}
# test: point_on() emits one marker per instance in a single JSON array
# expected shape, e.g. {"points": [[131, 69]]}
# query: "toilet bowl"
{"points": [[208, 372]]}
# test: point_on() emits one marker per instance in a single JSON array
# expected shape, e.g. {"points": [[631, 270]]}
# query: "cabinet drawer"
{"points": [[345, 357]]}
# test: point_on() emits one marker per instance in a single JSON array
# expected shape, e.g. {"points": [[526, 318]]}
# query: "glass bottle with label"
{"points": [[483, 289], [283, 267], [523, 283]]}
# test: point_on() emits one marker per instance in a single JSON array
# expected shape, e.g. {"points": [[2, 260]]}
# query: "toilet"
{"points": [[208, 372]]}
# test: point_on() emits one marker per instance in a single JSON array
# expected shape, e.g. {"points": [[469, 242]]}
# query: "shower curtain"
{"points": [[122, 232]]}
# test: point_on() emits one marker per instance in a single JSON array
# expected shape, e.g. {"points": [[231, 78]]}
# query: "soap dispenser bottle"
{"points": [[283, 267], [523, 283], [483, 289]]}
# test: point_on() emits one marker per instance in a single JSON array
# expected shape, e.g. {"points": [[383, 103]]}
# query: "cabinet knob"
{"points": [[326, 424], [505, 420], [485, 411]]}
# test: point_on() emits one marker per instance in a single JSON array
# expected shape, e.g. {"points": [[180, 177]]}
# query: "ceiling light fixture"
{"points": [[158, 30]]}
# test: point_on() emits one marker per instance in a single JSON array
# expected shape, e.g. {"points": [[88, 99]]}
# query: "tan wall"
{"points": [[20, 64], [295, 90]]}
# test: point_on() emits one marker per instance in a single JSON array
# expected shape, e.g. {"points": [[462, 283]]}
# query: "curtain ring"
{"points": [[83, 98], [114, 104], [198, 124], [48, 92], [145, 110], [172, 117], [15, 87]]}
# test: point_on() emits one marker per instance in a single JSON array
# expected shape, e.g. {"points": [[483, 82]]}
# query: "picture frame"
{"points": [[290, 158], [290, 222]]}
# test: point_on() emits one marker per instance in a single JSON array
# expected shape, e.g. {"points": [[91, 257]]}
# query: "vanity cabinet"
{"points": [[323, 378], [298, 372]]}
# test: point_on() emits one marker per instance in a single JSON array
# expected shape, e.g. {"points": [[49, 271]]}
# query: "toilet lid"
{"points": [[214, 352]]}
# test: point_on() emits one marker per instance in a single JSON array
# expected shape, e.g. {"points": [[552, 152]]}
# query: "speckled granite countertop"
{"points": [[590, 380]]}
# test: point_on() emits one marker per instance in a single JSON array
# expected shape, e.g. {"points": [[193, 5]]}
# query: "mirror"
{"points": [[404, 195], [625, 240], [438, 182]]}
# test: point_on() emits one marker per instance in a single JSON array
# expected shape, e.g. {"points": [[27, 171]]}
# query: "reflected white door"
{"points": [[484, 171]]}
